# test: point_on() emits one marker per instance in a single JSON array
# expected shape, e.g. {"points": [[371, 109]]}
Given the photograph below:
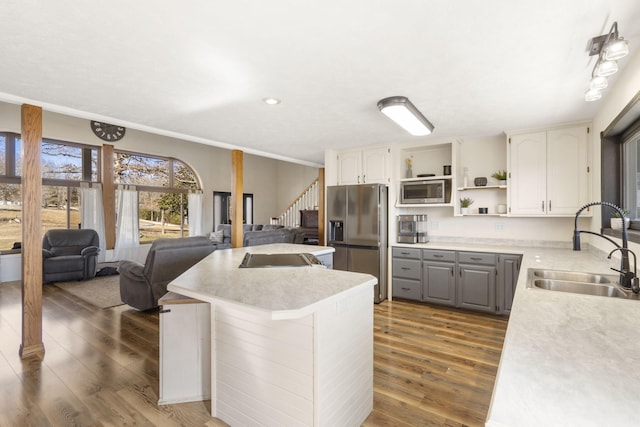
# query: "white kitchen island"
{"points": [[289, 345]]}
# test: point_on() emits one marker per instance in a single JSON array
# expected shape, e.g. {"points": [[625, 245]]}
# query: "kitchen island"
{"points": [[289, 345], [567, 359]]}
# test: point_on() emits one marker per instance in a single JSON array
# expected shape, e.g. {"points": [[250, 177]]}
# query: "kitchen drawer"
{"points": [[412, 253], [435, 255], [409, 289], [476, 258], [406, 268]]}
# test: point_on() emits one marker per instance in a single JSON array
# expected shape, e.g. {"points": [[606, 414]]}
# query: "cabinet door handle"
{"points": [[364, 179], [542, 206], [475, 258], [405, 253], [549, 205], [405, 268], [438, 256], [358, 179], [406, 289]]}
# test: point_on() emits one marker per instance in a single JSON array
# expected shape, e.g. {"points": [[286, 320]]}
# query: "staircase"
{"points": [[308, 199]]}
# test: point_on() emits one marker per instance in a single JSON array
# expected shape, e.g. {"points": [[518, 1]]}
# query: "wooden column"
{"points": [[236, 198], [321, 208], [108, 196], [32, 344]]}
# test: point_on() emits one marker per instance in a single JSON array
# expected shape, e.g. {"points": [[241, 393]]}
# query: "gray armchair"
{"points": [[69, 254], [142, 285]]}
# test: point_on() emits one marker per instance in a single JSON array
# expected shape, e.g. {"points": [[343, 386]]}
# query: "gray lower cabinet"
{"points": [[439, 282], [474, 280], [508, 270], [476, 287], [407, 273]]}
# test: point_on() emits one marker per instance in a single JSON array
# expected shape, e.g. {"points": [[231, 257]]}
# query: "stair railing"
{"points": [[308, 199]]}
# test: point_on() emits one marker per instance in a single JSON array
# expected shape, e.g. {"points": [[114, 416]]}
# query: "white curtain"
{"points": [[127, 231], [195, 214], [92, 213]]}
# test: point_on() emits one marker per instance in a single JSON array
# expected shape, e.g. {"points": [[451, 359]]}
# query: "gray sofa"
{"points": [[69, 254], [258, 234], [142, 285]]}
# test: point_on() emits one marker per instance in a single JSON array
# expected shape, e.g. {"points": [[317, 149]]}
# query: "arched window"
{"points": [[163, 184]]}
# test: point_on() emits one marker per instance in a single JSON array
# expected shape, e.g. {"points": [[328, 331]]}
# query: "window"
{"points": [[620, 175], [631, 187], [10, 215], [64, 166], [163, 185]]}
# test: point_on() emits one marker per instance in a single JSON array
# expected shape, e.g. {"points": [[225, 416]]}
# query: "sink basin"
{"points": [[584, 288], [574, 276], [578, 283]]}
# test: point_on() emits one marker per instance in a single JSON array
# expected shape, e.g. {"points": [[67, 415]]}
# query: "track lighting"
{"points": [[609, 47]]}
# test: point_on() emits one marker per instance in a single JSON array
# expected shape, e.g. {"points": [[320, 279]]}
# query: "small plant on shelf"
{"points": [[500, 176], [465, 202]]}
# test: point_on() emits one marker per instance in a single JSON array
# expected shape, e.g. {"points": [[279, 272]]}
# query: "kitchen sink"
{"points": [[574, 276], [584, 288], [578, 283]]}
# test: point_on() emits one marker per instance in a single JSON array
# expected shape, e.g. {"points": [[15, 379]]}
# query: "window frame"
{"points": [[613, 170]]}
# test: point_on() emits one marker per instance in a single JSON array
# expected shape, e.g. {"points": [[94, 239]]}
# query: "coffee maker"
{"points": [[412, 229]]}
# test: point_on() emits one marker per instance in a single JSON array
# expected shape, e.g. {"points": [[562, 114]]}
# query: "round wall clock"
{"points": [[107, 132]]}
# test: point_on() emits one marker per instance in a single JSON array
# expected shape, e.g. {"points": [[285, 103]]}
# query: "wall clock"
{"points": [[107, 132]]}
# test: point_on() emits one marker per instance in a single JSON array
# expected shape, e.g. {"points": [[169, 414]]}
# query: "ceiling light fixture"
{"points": [[609, 47], [271, 101], [406, 115]]}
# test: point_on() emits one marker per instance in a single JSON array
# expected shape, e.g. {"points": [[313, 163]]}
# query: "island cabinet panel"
{"points": [[261, 368], [185, 357], [344, 361], [310, 371]]}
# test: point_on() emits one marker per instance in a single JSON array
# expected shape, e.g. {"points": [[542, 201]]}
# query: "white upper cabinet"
{"points": [[364, 166], [548, 172]]}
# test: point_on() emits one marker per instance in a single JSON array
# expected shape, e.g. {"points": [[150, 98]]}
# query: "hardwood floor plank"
{"points": [[433, 366]]}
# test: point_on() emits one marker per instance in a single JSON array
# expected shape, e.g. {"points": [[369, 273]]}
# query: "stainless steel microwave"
{"points": [[425, 192]]}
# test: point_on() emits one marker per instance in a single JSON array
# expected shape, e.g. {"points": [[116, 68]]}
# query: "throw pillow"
{"points": [[217, 236]]}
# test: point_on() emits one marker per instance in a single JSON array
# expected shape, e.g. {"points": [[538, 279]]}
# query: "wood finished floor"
{"points": [[433, 366]]}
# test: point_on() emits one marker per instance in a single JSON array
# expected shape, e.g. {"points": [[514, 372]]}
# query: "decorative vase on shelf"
{"points": [[464, 211], [616, 223], [409, 173]]}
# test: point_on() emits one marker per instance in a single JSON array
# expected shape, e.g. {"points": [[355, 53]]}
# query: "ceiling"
{"points": [[199, 69]]}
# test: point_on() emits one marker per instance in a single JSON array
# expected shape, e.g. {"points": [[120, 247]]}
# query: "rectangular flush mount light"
{"points": [[405, 114]]}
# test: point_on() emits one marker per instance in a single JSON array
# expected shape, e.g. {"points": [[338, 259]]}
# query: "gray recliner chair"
{"points": [[69, 254], [142, 285]]}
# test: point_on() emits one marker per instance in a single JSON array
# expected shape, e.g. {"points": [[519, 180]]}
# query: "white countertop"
{"points": [[276, 293], [567, 359]]}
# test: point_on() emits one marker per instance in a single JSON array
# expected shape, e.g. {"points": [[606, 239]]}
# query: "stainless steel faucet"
{"points": [[626, 275], [631, 275]]}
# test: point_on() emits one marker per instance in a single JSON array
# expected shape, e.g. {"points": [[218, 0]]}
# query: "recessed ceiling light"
{"points": [[271, 101]]}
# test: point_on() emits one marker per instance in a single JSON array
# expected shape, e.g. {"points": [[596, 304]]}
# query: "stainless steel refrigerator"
{"points": [[357, 229]]}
